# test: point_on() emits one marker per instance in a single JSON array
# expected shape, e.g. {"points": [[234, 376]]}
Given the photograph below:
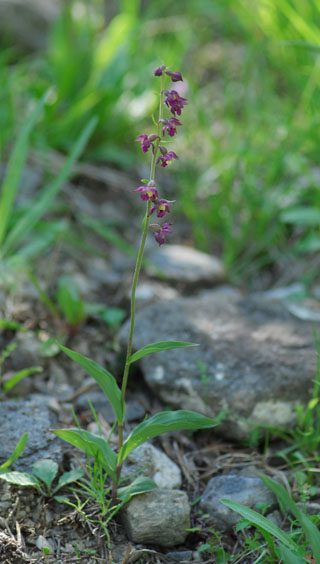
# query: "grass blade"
{"points": [[310, 530], [15, 166], [29, 219], [157, 347], [259, 521], [16, 453]]}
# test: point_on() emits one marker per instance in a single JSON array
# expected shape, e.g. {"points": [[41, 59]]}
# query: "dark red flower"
{"points": [[147, 192], [160, 231], [145, 142], [170, 126], [163, 159], [161, 207], [174, 101]]}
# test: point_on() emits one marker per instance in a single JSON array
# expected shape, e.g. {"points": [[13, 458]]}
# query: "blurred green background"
{"points": [[247, 181]]}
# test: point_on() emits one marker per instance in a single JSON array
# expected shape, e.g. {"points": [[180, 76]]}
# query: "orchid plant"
{"points": [[162, 422]]}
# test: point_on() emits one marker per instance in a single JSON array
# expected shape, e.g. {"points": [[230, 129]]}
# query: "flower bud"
{"points": [[159, 70], [175, 75]]}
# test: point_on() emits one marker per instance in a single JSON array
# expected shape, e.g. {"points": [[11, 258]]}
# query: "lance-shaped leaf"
{"points": [[309, 528], [92, 446], [162, 423], [16, 453], [138, 486], [106, 381], [259, 521], [287, 556], [157, 347]]}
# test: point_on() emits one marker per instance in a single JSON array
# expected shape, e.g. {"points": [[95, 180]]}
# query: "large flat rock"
{"points": [[186, 267], [254, 357]]}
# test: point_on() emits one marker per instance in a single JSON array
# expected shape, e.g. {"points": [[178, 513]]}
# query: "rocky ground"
{"points": [[256, 361]]}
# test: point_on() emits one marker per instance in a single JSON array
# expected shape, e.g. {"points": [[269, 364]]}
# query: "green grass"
{"points": [[249, 154]]}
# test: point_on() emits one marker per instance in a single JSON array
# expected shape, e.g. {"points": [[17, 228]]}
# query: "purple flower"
{"points": [[170, 126], [147, 193], [159, 70], [175, 75], [161, 207], [145, 142], [174, 101], [163, 159], [161, 231]]}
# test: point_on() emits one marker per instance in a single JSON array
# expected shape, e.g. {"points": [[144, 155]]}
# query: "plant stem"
{"points": [[145, 224]]}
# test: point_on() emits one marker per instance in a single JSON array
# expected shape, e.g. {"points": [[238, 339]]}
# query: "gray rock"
{"points": [[255, 359], [275, 517], [309, 507], [27, 21], [134, 409], [180, 556], [30, 416], [155, 464], [27, 352], [43, 543], [154, 291], [186, 266], [159, 517], [243, 489]]}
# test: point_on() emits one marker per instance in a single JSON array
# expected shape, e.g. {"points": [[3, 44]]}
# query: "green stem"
{"points": [[133, 304], [146, 222]]}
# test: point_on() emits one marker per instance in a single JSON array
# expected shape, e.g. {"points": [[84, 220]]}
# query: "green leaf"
{"points": [[20, 479], [261, 522], [69, 300], [309, 528], [61, 498], [92, 446], [113, 316], [8, 324], [16, 453], [288, 556], [46, 470], [157, 347], [162, 423], [139, 485], [307, 216], [13, 381], [68, 478], [105, 380], [49, 348], [15, 166]]}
